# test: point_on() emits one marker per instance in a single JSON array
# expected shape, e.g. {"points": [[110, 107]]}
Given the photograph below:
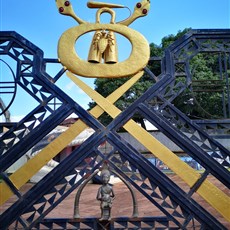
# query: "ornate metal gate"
{"points": [[180, 209]]}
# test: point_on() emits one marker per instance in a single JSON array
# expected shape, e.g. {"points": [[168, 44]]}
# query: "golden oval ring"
{"points": [[137, 60]]}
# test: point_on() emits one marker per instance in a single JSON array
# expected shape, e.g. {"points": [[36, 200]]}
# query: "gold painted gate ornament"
{"points": [[103, 58]]}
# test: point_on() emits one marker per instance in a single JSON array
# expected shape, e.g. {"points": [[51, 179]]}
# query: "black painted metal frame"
{"points": [[180, 210]]}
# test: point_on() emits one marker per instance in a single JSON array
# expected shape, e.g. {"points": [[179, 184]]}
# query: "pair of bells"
{"points": [[103, 45]]}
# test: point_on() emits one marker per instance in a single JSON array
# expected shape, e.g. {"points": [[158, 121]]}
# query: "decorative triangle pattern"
{"points": [[193, 134], [3, 45], [137, 171]]}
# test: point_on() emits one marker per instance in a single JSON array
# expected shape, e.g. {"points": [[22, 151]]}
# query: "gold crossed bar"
{"points": [[213, 195], [23, 174]]}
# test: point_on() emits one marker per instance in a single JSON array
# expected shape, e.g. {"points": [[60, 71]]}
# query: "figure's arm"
{"points": [[112, 194], [65, 8], [99, 194], [141, 9]]}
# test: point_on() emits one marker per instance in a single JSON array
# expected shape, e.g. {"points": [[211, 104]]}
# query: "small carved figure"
{"points": [[105, 195]]}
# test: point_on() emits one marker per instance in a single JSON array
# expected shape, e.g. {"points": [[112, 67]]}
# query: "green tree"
{"points": [[168, 40], [193, 101], [106, 86], [206, 88]]}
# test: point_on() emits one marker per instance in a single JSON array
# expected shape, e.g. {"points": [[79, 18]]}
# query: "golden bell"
{"points": [[110, 54], [94, 55], [103, 45]]}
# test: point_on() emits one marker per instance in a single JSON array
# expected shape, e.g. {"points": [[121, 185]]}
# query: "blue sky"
{"points": [[40, 22]]}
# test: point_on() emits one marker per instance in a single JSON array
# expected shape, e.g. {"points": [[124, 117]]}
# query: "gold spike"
{"points": [[103, 4]]}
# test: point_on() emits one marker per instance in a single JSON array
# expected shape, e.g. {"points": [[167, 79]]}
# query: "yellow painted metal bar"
{"points": [[23, 174], [214, 196], [114, 96]]}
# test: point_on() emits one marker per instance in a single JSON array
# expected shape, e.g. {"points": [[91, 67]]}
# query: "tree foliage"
{"points": [[202, 98], [105, 86]]}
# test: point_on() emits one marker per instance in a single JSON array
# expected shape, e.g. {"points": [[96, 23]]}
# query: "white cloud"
{"points": [[80, 91], [70, 86], [17, 118]]}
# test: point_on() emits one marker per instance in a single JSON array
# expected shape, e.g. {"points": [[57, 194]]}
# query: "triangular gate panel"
{"points": [[180, 209]]}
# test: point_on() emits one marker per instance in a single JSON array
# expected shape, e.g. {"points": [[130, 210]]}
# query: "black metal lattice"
{"points": [[179, 208]]}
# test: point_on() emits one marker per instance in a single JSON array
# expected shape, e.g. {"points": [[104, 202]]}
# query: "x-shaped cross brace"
{"points": [[31, 167], [214, 196]]}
